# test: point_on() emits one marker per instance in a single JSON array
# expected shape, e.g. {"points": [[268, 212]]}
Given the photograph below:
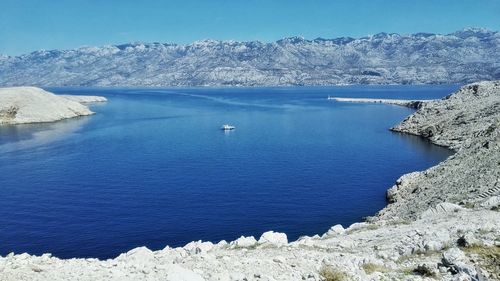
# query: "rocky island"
{"points": [[21, 105], [442, 223]]}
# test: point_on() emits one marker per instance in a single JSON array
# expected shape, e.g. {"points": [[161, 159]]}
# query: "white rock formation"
{"points": [[243, 242], [334, 230], [423, 235], [19, 105], [272, 238]]}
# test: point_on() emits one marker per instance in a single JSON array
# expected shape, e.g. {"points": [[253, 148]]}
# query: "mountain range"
{"points": [[422, 58]]}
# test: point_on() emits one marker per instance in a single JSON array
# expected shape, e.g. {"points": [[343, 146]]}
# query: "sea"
{"points": [[153, 168]]}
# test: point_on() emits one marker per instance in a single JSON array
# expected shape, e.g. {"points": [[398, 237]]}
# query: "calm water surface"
{"points": [[152, 167]]}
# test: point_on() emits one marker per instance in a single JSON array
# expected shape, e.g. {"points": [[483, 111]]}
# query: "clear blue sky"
{"points": [[28, 25]]}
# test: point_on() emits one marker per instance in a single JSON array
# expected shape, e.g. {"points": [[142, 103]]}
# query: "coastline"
{"points": [[406, 103], [26, 105], [408, 234]]}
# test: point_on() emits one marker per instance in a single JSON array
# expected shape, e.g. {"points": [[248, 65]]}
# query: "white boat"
{"points": [[227, 127]]}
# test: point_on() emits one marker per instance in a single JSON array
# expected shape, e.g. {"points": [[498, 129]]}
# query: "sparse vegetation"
{"points": [[424, 270], [370, 268], [419, 254], [372, 226], [400, 222], [488, 258], [329, 273]]}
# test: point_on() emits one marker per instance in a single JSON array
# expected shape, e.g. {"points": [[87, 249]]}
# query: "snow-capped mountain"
{"points": [[460, 57]]}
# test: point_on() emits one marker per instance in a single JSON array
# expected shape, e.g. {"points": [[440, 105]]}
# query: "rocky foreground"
{"points": [[443, 223], [21, 105]]}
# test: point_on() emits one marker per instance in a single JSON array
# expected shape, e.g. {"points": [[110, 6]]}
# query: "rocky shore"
{"points": [[441, 224], [21, 105]]}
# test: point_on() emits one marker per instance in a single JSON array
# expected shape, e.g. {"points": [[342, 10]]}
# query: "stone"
{"points": [[273, 238], [179, 273], [243, 242], [491, 202], [140, 256], [335, 230], [452, 256], [441, 208], [427, 269], [197, 247]]}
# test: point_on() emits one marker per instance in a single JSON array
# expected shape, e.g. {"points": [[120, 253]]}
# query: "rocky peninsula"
{"points": [[440, 224], [21, 105]]}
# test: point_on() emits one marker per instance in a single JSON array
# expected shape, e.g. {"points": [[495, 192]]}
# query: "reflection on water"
{"points": [[18, 137], [423, 146]]}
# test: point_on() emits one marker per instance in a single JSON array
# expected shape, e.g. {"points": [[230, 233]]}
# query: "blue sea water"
{"points": [[153, 168]]}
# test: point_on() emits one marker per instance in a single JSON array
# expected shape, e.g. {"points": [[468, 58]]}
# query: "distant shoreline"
{"points": [[406, 103]]}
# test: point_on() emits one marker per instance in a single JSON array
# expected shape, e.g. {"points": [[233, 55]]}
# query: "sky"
{"points": [[29, 25]]}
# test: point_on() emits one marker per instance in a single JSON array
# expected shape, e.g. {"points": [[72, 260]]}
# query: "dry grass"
{"points": [[370, 268], [329, 273], [399, 222], [372, 227], [484, 251], [488, 258]]}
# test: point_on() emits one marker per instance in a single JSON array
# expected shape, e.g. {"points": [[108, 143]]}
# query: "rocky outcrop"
{"points": [[467, 122], [20, 105], [442, 224]]}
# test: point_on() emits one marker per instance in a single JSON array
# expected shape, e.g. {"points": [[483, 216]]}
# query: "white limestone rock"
{"points": [[20, 105], [456, 260], [491, 202], [243, 242], [178, 273], [334, 230], [441, 208], [453, 256], [197, 247], [273, 238], [139, 255], [401, 183]]}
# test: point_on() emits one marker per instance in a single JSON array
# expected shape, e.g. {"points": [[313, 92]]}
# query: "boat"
{"points": [[227, 127]]}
